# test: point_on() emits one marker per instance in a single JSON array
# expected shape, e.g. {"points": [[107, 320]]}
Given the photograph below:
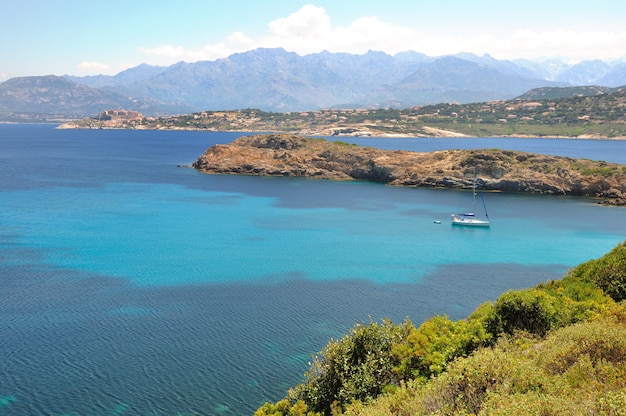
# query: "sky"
{"points": [[87, 37]]}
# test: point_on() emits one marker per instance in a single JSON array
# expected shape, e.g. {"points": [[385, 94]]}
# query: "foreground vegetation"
{"points": [[555, 349]]}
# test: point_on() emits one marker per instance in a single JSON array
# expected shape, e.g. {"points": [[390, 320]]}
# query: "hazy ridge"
{"points": [[277, 80]]}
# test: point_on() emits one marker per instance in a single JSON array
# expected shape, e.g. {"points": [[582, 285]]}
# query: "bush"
{"points": [[580, 369], [285, 408], [608, 272], [550, 305], [357, 367], [529, 310], [575, 300], [487, 374], [435, 343], [597, 341]]}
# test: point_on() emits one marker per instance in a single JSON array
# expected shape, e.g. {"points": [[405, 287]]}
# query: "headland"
{"points": [[496, 170]]}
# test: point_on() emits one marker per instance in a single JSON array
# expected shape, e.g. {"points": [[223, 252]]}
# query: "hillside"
{"points": [[592, 115], [550, 93], [496, 170], [582, 112], [49, 97], [555, 349]]}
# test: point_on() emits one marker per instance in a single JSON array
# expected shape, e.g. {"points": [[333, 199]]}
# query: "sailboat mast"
{"points": [[484, 205], [481, 197], [474, 192]]}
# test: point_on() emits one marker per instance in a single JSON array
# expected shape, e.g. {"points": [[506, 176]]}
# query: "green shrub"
{"points": [[357, 367], [575, 300], [403, 402], [550, 305], [435, 343], [612, 404], [530, 310], [606, 172], [597, 341], [579, 369], [491, 372], [608, 272], [285, 408], [531, 404]]}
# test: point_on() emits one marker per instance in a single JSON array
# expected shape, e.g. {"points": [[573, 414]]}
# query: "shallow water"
{"points": [[131, 286]]}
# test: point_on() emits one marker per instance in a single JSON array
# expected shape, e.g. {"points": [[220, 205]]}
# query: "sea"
{"points": [[132, 285]]}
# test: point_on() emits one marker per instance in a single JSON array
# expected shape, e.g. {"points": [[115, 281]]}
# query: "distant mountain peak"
{"points": [[51, 94], [274, 79]]}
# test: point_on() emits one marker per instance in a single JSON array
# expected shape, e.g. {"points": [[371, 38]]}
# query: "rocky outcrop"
{"points": [[496, 170]]}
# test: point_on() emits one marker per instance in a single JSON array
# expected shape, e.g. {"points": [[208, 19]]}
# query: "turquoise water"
{"points": [[164, 234], [132, 286]]}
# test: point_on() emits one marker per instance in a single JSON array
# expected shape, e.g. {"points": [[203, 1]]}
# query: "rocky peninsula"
{"points": [[496, 170]]}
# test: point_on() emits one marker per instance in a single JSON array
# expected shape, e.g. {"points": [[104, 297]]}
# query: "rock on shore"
{"points": [[497, 170]]}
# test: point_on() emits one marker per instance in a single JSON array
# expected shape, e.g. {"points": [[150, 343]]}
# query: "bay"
{"points": [[131, 286]]}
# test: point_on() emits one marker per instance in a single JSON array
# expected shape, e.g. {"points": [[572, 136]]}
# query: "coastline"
{"points": [[497, 170], [325, 133]]}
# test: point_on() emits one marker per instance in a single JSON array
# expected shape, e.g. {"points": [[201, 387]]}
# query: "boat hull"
{"points": [[469, 221]]}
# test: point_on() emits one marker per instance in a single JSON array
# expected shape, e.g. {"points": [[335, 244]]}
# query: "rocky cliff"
{"points": [[497, 170]]}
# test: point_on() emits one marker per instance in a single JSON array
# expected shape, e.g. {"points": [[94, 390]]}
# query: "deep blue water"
{"points": [[131, 286]]}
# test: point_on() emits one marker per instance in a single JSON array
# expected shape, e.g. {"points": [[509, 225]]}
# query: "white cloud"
{"points": [[236, 42], [309, 22], [168, 54], [92, 67], [240, 40], [4, 76], [369, 33], [310, 30], [165, 51]]}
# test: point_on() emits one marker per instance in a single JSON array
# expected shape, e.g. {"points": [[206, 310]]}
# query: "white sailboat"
{"points": [[469, 219]]}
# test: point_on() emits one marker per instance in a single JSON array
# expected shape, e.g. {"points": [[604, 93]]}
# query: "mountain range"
{"points": [[277, 80]]}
